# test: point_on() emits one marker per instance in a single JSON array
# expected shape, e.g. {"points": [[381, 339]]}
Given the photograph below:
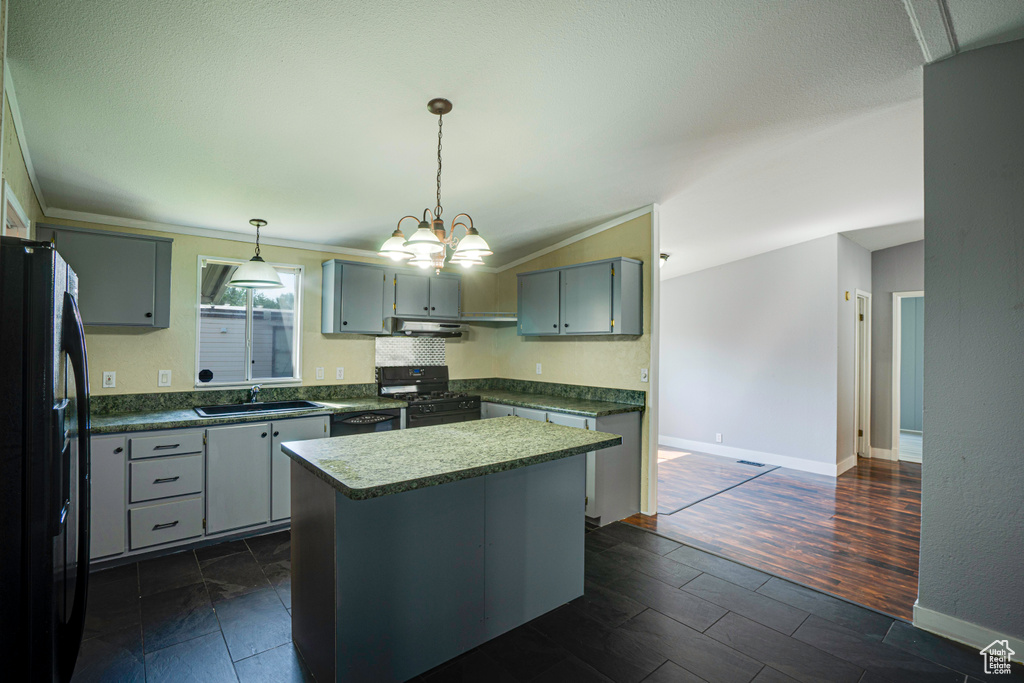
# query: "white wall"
{"points": [[749, 349], [972, 515], [896, 269], [853, 273]]}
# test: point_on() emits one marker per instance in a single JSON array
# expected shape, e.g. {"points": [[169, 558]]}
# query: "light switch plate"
{"points": [[163, 378], [109, 379], [339, 373], [319, 373], [643, 374], [718, 438], [538, 368]]}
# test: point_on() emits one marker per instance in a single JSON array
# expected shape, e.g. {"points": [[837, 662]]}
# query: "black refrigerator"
{"points": [[44, 462]]}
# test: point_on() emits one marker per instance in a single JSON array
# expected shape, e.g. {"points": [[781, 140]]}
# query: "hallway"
{"points": [[856, 536]]}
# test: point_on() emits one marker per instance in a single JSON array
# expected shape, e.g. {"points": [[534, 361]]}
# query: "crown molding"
{"points": [[576, 238], [19, 129], [933, 27]]}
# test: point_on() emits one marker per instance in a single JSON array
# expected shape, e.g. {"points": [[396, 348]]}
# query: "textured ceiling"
{"points": [[312, 115], [978, 23]]}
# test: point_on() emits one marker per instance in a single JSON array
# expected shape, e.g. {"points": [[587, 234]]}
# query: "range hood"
{"points": [[426, 328]]}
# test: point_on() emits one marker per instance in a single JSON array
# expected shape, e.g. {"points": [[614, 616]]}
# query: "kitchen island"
{"points": [[411, 547]]}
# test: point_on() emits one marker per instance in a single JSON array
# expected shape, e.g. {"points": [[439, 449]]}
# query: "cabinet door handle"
{"points": [[149, 315], [166, 480], [263, 435], [431, 308], [277, 433], [567, 324], [424, 308], [344, 322], [165, 446], [119, 449], [166, 525], [555, 326]]}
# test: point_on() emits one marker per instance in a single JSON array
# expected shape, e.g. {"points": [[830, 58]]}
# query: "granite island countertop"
{"points": [[140, 421], [366, 466], [562, 404]]}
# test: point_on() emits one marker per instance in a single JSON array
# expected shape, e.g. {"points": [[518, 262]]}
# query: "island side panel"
{"points": [[313, 576], [534, 541], [410, 580]]}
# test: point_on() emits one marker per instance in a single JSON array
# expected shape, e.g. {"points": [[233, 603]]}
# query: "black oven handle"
{"points": [[73, 343], [364, 419]]}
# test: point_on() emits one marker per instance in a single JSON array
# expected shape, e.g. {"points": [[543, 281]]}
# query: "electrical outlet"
{"points": [[538, 368], [319, 373], [718, 438], [643, 374], [339, 373], [109, 379], [163, 378]]}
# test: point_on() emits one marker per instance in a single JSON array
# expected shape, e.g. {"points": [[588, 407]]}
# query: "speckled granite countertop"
{"points": [[562, 404], [372, 465], [187, 417]]}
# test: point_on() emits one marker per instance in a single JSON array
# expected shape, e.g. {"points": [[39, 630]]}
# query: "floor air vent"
{"points": [[748, 462]]}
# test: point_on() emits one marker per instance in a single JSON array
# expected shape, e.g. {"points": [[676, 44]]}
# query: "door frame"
{"points": [[897, 321], [862, 371]]}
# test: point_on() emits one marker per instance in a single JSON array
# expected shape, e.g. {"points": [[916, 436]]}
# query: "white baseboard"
{"points": [[846, 463], [756, 456], [883, 453], [962, 631]]}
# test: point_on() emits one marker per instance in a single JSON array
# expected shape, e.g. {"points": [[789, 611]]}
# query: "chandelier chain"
{"points": [[438, 209], [257, 240]]}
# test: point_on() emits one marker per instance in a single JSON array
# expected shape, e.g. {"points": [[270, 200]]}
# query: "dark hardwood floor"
{"points": [[856, 536], [685, 478], [653, 610]]}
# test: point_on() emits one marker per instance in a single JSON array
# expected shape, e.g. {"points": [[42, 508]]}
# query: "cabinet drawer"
{"points": [[166, 444], [165, 522], [166, 477]]}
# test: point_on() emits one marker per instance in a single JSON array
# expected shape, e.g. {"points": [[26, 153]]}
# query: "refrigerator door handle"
{"points": [[73, 343]]}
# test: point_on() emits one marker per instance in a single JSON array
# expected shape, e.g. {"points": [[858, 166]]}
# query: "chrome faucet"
{"points": [[254, 392]]}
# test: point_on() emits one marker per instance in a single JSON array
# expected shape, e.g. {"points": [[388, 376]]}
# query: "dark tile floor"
{"points": [[653, 610]]}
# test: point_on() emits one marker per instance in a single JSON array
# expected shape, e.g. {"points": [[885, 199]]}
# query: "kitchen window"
{"points": [[247, 336]]}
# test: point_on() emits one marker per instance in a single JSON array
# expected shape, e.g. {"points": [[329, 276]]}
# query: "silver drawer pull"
{"points": [[168, 525], [165, 446], [166, 480]]}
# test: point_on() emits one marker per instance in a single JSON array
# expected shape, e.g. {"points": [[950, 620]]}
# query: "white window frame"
{"points": [[297, 346]]}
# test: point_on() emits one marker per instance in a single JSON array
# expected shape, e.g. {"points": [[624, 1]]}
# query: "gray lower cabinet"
{"points": [[298, 429], [531, 414], [166, 522], [124, 279], [538, 309], [352, 298], [601, 297], [488, 410], [237, 476], [580, 422], [107, 489]]}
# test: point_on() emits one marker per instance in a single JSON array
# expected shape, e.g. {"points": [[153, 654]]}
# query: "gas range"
{"points": [[425, 389]]}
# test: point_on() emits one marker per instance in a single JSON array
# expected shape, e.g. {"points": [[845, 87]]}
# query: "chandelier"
{"points": [[428, 246]]}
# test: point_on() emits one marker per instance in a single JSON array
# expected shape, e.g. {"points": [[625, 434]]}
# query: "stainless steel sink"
{"points": [[250, 408]]}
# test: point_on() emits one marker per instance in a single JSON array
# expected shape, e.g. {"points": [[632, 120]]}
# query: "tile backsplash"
{"points": [[392, 351]]}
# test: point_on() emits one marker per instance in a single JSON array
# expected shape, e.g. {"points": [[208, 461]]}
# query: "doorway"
{"points": [[908, 376]]}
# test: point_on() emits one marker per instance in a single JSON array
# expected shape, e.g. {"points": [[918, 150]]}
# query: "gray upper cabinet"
{"points": [[124, 279], [601, 297], [353, 298], [587, 299], [444, 297], [538, 310], [412, 295]]}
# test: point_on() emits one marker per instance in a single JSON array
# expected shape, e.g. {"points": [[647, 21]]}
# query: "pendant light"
{"points": [[428, 246], [256, 273]]}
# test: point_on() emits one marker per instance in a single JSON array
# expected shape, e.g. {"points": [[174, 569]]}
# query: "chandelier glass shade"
{"points": [[428, 246]]}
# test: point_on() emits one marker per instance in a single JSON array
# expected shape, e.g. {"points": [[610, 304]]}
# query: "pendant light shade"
{"points": [[256, 273], [473, 245]]}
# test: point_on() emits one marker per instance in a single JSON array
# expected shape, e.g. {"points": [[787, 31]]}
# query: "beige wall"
{"points": [[14, 170], [602, 361]]}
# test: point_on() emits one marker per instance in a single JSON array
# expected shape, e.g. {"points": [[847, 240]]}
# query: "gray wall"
{"points": [[748, 349], [897, 269], [972, 524], [853, 273], [912, 363]]}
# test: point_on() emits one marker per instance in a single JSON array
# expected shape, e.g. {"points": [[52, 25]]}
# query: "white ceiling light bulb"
{"points": [[256, 273]]}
